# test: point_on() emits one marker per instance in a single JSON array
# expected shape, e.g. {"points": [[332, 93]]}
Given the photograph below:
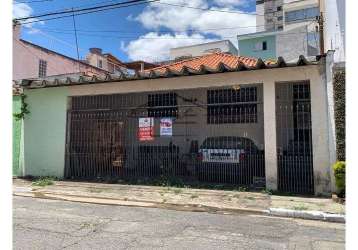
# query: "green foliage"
{"points": [[43, 181], [177, 191], [241, 189], [267, 191], [193, 196], [24, 111], [300, 207], [339, 169], [340, 113]]}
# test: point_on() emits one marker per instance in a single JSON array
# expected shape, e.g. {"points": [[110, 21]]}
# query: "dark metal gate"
{"points": [[294, 138], [206, 135]]}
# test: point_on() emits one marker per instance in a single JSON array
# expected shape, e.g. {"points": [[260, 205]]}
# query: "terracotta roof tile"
{"points": [[211, 61]]}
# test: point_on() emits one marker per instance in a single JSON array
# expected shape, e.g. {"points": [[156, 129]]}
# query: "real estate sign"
{"points": [[166, 127], [146, 129]]}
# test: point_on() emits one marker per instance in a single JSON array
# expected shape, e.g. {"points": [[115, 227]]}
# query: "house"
{"points": [[224, 46], [33, 61], [216, 118]]}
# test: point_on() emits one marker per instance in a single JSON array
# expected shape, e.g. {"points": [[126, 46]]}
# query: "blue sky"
{"points": [[138, 32]]}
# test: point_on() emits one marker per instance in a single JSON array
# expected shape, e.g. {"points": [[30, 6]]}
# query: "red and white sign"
{"points": [[146, 129]]}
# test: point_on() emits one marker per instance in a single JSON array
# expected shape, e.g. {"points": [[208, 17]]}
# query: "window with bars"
{"points": [[42, 68], [163, 105], [232, 105]]}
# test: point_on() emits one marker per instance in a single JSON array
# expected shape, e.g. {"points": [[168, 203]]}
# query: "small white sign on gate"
{"points": [[166, 127]]}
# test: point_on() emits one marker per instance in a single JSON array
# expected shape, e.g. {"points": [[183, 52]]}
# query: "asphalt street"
{"points": [[52, 224]]}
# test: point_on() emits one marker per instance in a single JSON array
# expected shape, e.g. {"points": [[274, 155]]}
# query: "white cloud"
{"points": [[157, 49], [205, 22], [24, 10]]}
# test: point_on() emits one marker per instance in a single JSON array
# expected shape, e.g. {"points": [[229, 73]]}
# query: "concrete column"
{"points": [[270, 134], [320, 136]]}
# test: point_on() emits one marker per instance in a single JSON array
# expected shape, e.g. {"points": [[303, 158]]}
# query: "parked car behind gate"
{"points": [[229, 159]]}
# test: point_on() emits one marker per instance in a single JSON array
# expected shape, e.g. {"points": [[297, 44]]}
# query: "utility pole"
{"points": [[78, 54], [321, 28]]}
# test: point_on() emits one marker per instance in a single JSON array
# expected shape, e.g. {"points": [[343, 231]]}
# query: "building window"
{"points": [[100, 64], [280, 27], [279, 18], [312, 44], [232, 105], [163, 105], [42, 68], [279, 8], [300, 15], [264, 45], [260, 46]]}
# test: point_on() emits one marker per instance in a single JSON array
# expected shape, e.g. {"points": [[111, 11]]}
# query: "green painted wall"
{"points": [[45, 132], [247, 47], [16, 135]]}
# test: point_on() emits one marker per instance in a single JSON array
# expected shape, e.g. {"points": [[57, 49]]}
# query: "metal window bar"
{"points": [[223, 144]]}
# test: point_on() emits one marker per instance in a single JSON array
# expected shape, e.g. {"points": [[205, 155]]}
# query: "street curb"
{"points": [[310, 215], [131, 203], [279, 212]]}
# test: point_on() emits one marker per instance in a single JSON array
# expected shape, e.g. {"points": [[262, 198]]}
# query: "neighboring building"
{"points": [[288, 44], [105, 61], [140, 65], [284, 14], [286, 28], [224, 46], [33, 61], [285, 20], [110, 63], [269, 15], [216, 118]]}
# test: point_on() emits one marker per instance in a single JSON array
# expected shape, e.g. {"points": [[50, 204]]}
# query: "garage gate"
{"points": [[211, 135]]}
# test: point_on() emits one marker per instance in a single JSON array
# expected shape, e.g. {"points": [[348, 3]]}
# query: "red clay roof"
{"points": [[211, 61]]}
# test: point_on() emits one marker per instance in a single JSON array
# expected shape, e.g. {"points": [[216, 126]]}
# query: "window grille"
{"points": [[162, 105], [42, 68], [232, 105]]}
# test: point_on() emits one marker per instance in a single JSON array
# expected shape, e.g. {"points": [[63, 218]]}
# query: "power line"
{"points": [[35, 1], [157, 31], [94, 11], [78, 6], [78, 54], [134, 1], [79, 10], [215, 10], [160, 38]]}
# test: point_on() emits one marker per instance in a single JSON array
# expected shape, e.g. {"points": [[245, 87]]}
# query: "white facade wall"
{"points": [[260, 19], [335, 28], [224, 46]]}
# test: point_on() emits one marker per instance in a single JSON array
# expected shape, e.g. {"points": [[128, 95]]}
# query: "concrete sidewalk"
{"points": [[217, 201]]}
